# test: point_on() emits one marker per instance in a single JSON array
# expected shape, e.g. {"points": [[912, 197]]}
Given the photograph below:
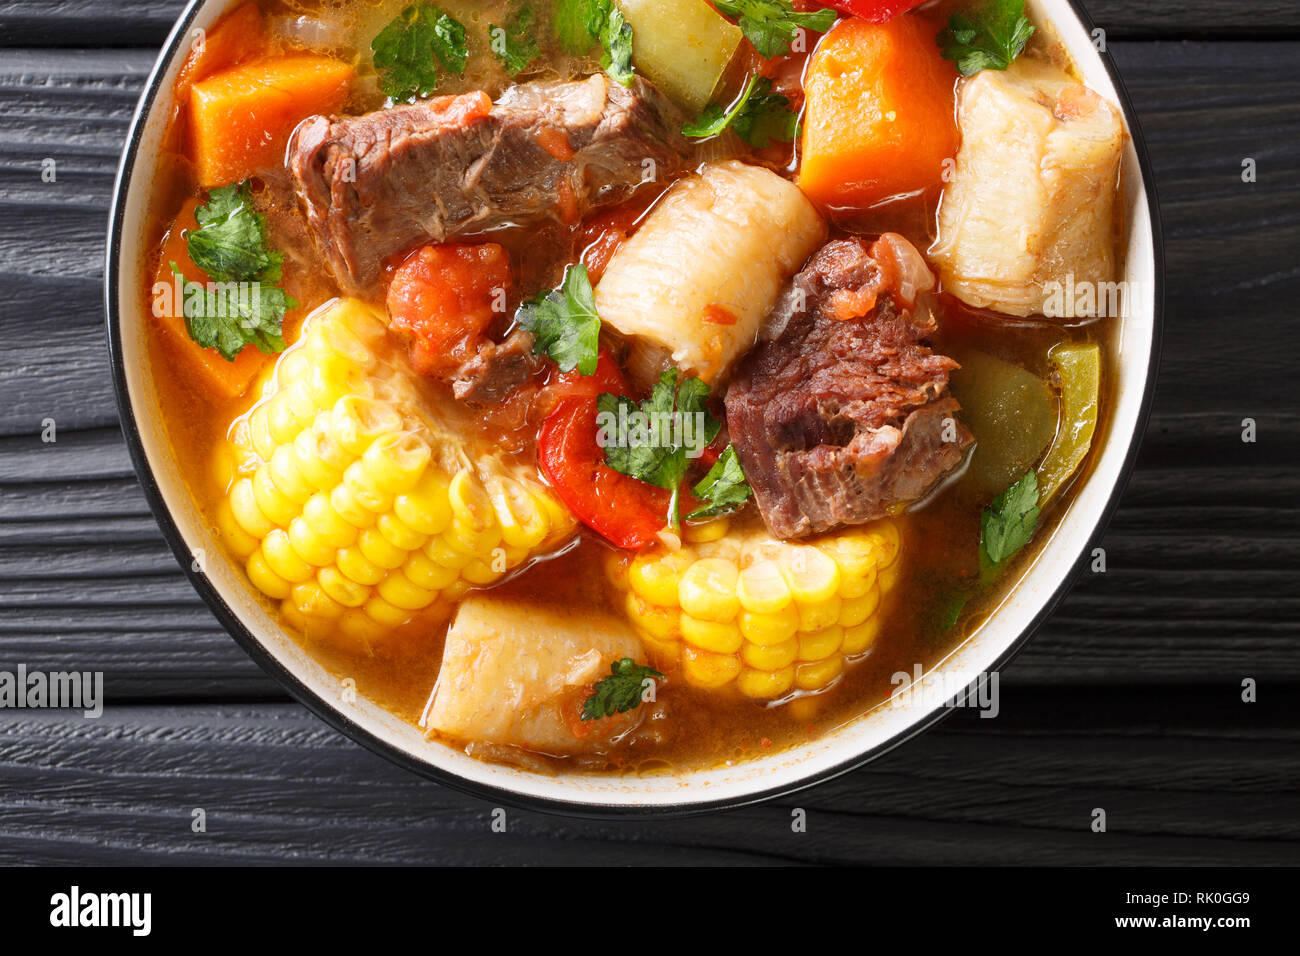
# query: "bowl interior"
{"points": [[223, 586]]}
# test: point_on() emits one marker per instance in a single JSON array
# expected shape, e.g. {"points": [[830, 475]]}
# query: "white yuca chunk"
{"points": [[512, 672], [727, 238], [1032, 203]]}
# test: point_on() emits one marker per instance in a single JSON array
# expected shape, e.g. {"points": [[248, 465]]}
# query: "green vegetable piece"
{"points": [[1012, 413], [1007, 524], [564, 322], [622, 690], [404, 51], [759, 116], [770, 25], [1079, 369], [724, 487], [580, 24], [988, 37], [514, 44], [651, 441], [241, 304]]}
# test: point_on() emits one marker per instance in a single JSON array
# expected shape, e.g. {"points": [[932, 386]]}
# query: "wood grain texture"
{"points": [[1127, 699], [276, 785]]}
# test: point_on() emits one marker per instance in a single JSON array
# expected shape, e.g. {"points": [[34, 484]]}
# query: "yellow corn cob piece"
{"points": [[361, 499], [747, 613]]}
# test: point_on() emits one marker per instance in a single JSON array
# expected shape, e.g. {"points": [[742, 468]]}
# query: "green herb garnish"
{"points": [[564, 322], [988, 37], [770, 25], [407, 52], [724, 487], [620, 691], [514, 44], [580, 24], [759, 117], [653, 441], [241, 304], [1007, 524]]}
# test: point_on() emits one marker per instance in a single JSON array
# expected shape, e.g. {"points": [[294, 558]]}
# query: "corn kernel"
{"points": [[773, 657], [762, 588], [818, 645], [708, 670], [708, 590], [815, 675], [768, 629], [653, 575], [724, 638], [764, 684]]}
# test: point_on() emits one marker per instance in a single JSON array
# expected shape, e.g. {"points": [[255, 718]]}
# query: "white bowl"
{"points": [[224, 588]]}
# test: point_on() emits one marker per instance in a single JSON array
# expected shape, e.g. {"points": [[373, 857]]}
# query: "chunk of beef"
{"points": [[844, 413], [496, 369], [375, 185]]}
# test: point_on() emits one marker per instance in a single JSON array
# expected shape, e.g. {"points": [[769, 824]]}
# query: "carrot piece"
{"points": [[879, 116], [234, 38], [229, 379], [241, 118]]}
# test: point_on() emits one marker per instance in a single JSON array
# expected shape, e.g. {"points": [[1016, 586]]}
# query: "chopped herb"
{"points": [[1007, 524], [514, 44], [654, 441], [622, 690], [724, 487], [564, 322], [989, 37], [770, 25], [404, 51], [616, 39], [759, 117], [241, 304], [580, 24]]}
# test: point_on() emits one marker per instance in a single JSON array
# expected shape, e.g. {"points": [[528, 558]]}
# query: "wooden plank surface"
{"points": [[1126, 699], [276, 785]]}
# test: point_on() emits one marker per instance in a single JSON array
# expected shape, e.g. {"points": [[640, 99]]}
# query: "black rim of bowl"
{"points": [[346, 725]]}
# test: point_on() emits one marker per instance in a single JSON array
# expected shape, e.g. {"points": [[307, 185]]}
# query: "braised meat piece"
{"points": [[376, 185], [843, 413]]}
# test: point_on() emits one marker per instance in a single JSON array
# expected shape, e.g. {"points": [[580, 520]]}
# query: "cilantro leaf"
{"points": [[770, 25], [404, 51], [564, 322], [759, 117], [231, 241], [989, 37], [655, 440], [229, 315], [580, 24], [514, 44], [616, 38], [240, 305], [724, 487], [1007, 524], [620, 691]]}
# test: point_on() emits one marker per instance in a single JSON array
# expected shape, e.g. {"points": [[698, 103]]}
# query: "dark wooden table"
{"points": [[1129, 698]]}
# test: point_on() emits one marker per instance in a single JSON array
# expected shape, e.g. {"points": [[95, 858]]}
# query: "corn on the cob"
{"points": [[747, 612], [359, 500]]}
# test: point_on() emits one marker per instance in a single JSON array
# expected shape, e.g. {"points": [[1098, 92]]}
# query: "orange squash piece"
{"points": [[234, 38], [228, 379], [879, 117], [241, 118]]}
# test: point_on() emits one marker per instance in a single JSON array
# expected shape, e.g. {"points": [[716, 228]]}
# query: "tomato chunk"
{"points": [[627, 512], [445, 298], [874, 11]]}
